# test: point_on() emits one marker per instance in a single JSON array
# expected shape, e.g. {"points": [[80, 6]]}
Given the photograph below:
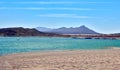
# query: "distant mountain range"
{"points": [[72, 30], [19, 31], [82, 30]]}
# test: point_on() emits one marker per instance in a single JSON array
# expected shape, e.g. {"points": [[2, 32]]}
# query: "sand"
{"points": [[63, 60]]}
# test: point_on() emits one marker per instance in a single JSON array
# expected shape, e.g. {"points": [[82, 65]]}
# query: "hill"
{"points": [[19, 31]]}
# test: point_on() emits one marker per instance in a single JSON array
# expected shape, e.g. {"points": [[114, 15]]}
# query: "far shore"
{"points": [[107, 59], [73, 36]]}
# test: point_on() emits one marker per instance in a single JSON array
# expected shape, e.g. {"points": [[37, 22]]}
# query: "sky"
{"points": [[102, 16]]}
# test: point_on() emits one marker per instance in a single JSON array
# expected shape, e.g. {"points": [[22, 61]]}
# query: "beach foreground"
{"points": [[63, 60]]}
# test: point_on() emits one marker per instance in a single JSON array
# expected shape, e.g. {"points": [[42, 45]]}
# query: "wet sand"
{"points": [[108, 59]]}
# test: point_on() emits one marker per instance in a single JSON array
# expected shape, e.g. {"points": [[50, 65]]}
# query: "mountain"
{"points": [[43, 29], [77, 30], [19, 31]]}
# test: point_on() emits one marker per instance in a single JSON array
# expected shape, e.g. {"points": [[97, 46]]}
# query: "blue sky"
{"points": [[100, 15]]}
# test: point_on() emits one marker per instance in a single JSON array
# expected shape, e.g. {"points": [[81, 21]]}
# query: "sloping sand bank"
{"points": [[63, 60]]}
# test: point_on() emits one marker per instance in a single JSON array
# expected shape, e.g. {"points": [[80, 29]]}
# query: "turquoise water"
{"points": [[10, 45]]}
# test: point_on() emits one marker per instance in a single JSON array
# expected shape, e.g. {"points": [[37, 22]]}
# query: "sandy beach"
{"points": [[63, 60]]}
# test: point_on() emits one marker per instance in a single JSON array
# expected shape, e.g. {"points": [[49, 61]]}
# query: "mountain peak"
{"points": [[62, 28], [83, 26], [73, 30], [43, 29]]}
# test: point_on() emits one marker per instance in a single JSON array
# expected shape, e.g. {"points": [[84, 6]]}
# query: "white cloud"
{"points": [[45, 2], [58, 2], [42, 8], [54, 2], [64, 16]]}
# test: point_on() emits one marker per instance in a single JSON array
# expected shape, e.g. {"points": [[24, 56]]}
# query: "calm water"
{"points": [[10, 45]]}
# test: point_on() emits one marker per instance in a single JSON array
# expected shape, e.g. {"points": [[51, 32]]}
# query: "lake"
{"points": [[9, 45]]}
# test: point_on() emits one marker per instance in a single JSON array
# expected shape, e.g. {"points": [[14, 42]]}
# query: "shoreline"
{"points": [[107, 59], [46, 51], [73, 37]]}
